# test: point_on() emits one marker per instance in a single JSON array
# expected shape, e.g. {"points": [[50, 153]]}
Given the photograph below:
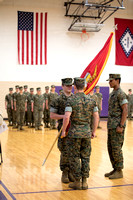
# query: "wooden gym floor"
{"points": [[23, 177]]}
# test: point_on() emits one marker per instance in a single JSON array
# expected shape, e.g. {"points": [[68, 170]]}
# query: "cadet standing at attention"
{"points": [[57, 111], [30, 98], [117, 114], [20, 103], [38, 107], [14, 111], [26, 94], [46, 113], [94, 97], [79, 109], [99, 102], [9, 106], [130, 104], [52, 96]]}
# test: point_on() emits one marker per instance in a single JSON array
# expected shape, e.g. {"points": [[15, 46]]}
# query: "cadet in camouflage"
{"points": [[9, 106], [38, 107], [14, 111], [30, 98], [20, 107], [52, 96], [117, 113], [130, 104], [95, 98], [57, 111], [46, 113], [79, 109], [99, 102], [26, 113]]}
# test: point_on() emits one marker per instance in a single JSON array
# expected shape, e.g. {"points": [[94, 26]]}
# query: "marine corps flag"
{"points": [[124, 42], [94, 70]]}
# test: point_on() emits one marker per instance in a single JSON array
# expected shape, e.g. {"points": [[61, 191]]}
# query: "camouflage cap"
{"points": [[31, 89], [25, 86], [79, 81], [17, 86], [52, 86], [113, 76], [67, 81], [97, 87], [10, 89], [38, 89], [47, 87], [20, 88]]}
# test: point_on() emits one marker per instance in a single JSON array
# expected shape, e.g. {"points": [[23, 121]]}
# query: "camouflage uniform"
{"points": [[14, 111], [38, 101], [99, 99], [9, 100], [26, 112], [52, 97], [20, 108], [115, 140], [46, 113], [58, 106], [130, 104], [79, 134], [30, 98], [94, 97]]}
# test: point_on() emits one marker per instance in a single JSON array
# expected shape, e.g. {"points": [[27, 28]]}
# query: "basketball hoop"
{"points": [[84, 35]]}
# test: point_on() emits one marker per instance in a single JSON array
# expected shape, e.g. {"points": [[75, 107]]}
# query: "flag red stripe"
{"points": [[36, 38], [98, 64], [18, 46], [45, 39], [41, 23], [32, 48], [22, 47], [27, 47]]}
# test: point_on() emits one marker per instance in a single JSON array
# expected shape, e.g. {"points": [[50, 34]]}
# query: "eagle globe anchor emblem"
{"points": [[89, 78]]}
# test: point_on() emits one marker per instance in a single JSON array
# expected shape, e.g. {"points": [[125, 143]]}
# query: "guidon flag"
{"points": [[94, 70]]}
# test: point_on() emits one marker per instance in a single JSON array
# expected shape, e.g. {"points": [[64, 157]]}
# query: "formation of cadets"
{"points": [[27, 108], [74, 145]]}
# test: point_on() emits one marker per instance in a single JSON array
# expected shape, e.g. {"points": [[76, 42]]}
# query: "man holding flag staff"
{"points": [[78, 110], [57, 111]]}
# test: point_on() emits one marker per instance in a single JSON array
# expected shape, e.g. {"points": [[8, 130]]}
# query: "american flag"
{"points": [[32, 38]]}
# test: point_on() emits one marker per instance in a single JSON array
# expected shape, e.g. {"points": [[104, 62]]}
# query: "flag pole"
{"points": [[52, 146]]}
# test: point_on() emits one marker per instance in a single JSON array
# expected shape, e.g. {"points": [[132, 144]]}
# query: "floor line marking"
{"points": [[72, 189], [6, 189]]}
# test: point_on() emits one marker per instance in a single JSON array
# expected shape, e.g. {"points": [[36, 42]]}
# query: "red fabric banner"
{"points": [[124, 42], [94, 70]]}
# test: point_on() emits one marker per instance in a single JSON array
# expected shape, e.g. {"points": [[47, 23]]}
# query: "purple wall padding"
{"points": [[105, 93]]}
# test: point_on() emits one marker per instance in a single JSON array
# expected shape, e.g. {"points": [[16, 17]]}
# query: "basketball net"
{"points": [[84, 35]]}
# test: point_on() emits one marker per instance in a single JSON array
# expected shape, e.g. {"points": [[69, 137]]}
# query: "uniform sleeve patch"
{"points": [[68, 109], [95, 109], [124, 101]]}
